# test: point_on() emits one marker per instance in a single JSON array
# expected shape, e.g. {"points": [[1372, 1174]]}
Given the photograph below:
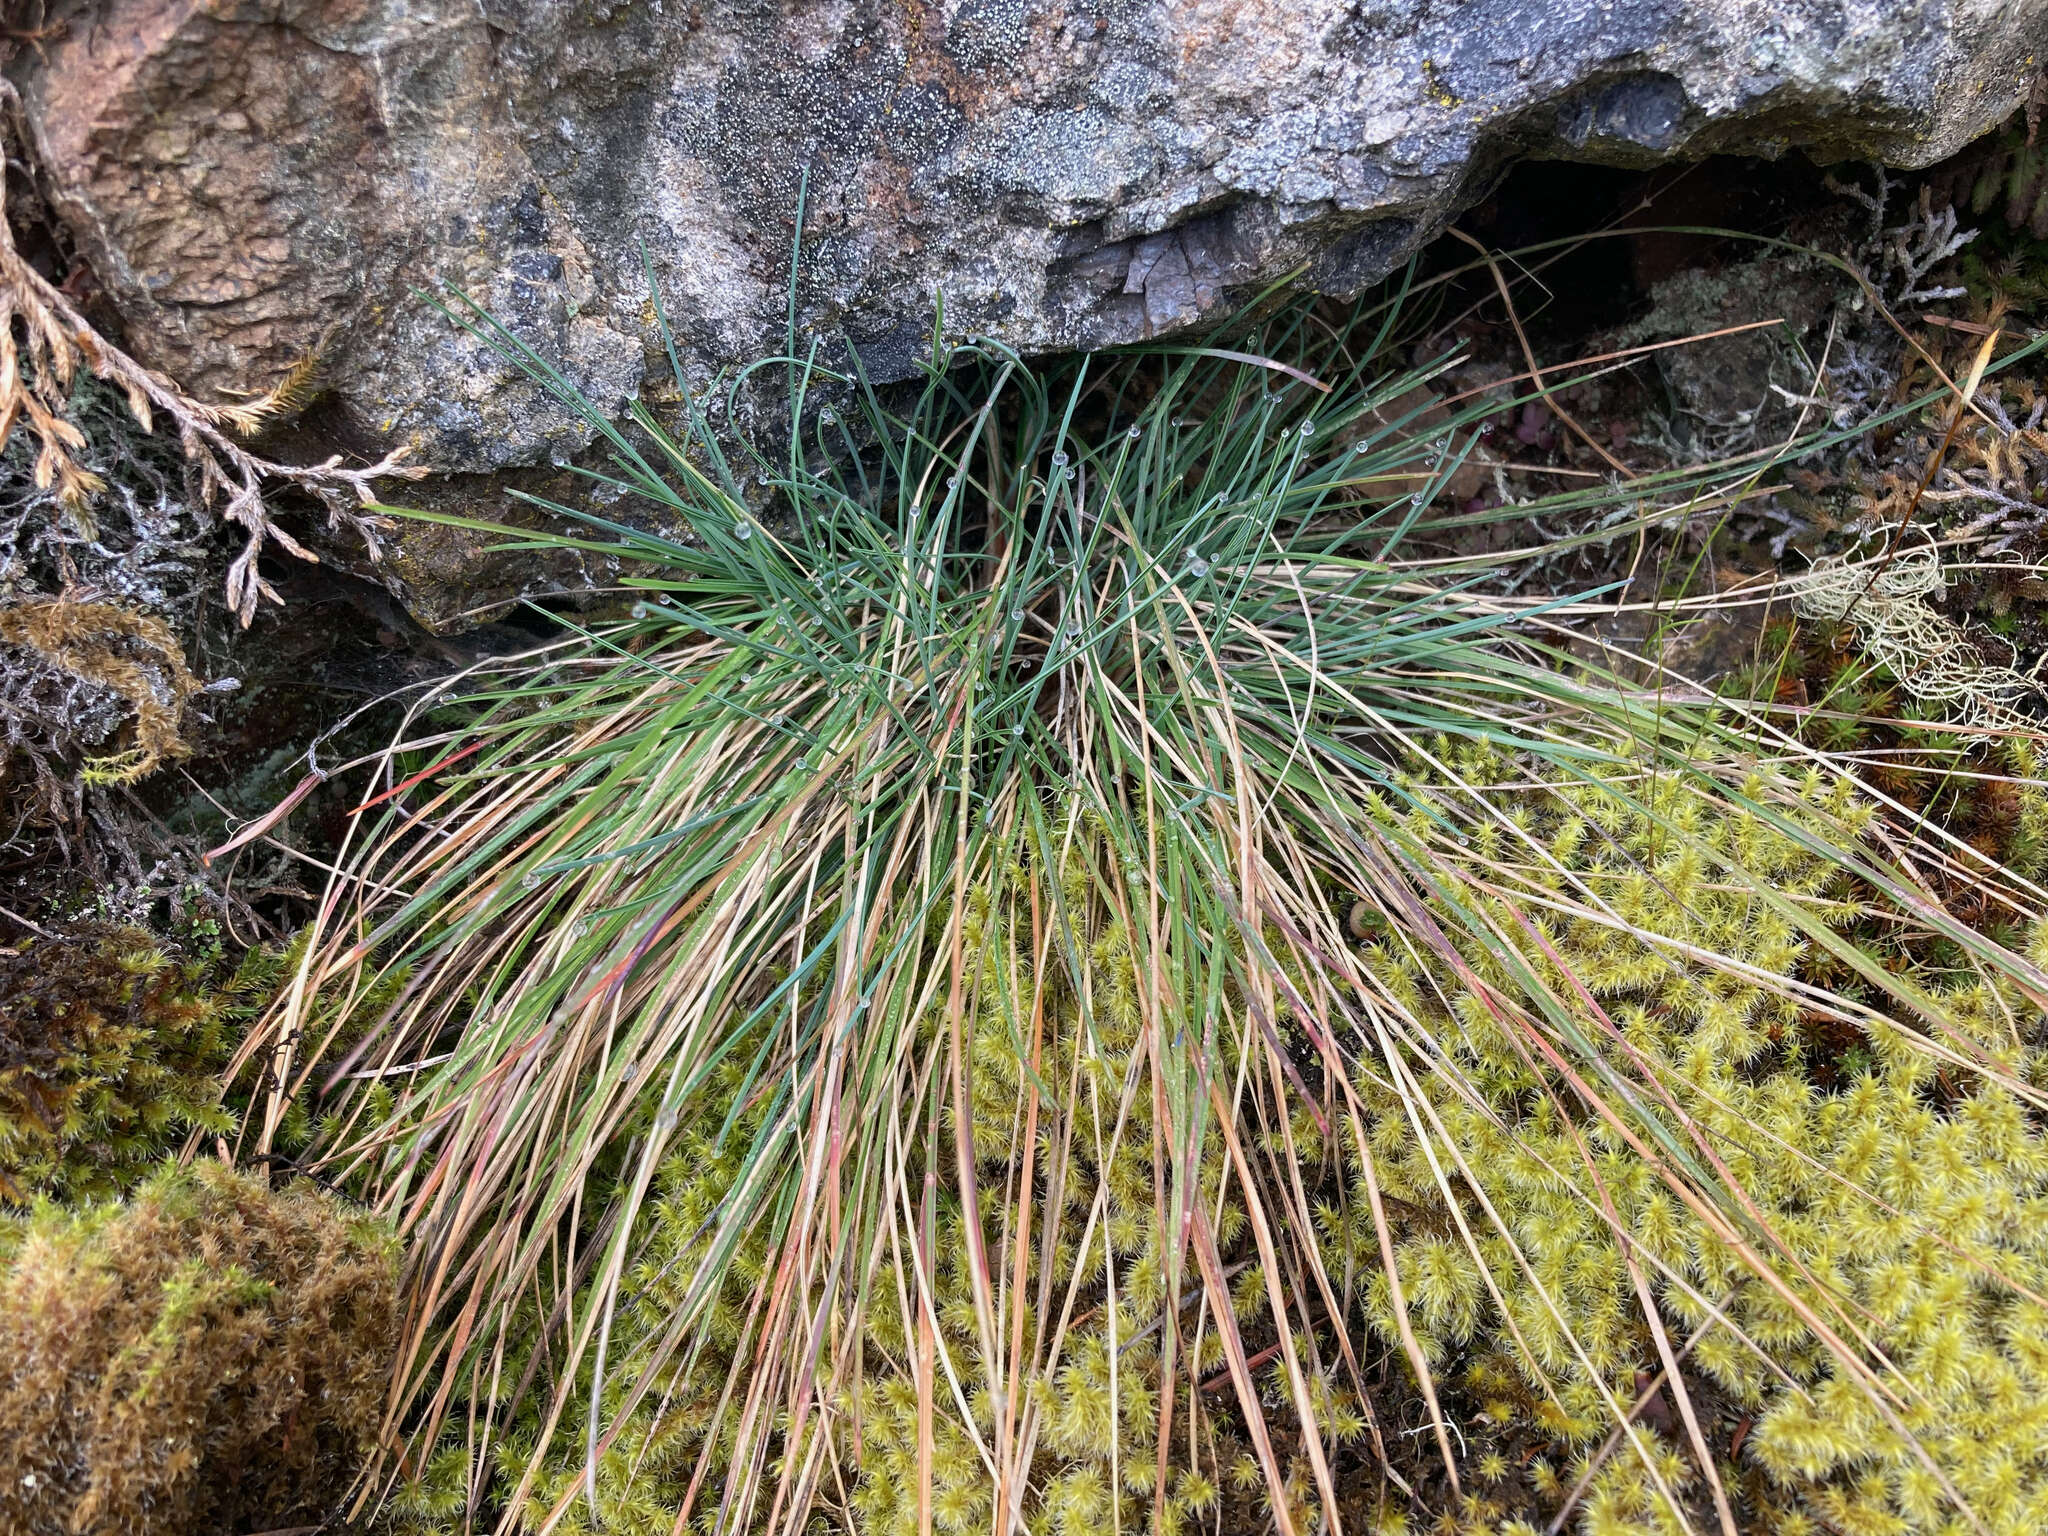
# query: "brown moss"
{"points": [[210, 1357], [108, 1053]]}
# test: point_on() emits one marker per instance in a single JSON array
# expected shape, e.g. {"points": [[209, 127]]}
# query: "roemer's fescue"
{"points": [[993, 819]]}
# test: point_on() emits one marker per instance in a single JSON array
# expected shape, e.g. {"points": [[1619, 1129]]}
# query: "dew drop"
{"points": [[1016, 615], [1180, 421], [1308, 429], [1059, 460], [1362, 448], [952, 482], [828, 416], [530, 881], [1135, 433], [1198, 568], [743, 530], [1017, 729], [640, 610]]}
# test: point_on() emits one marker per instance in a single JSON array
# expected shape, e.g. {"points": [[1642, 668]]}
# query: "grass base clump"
{"points": [[211, 1358], [1062, 1152]]}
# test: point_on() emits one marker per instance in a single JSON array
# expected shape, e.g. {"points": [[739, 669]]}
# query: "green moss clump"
{"points": [[112, 1050], [109, 1050], [210, 1357], [1899, 1202]]}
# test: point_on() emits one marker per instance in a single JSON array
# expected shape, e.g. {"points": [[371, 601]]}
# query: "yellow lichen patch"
{"points": [[129, 653]]}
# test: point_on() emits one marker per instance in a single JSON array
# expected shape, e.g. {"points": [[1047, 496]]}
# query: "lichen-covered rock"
{"points": [[251, 179]]}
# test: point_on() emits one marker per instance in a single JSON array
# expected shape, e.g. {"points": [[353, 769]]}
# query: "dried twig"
{"points": [[1966, 398], [37, 387], [1535, 370]]}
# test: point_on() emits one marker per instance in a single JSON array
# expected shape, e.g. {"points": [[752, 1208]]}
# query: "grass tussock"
{"points": [[1060, 981]]}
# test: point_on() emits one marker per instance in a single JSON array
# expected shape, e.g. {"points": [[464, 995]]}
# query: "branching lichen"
{"points": [[46, 345]]}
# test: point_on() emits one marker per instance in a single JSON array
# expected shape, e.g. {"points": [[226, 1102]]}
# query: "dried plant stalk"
{"points": [[44, 340]]}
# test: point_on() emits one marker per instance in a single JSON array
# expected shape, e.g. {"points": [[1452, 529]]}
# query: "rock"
{"points": [[254, 179], [1722, 394]]}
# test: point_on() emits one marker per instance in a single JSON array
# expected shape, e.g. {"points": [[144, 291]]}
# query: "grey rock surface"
{"points": [[254, 179]]}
